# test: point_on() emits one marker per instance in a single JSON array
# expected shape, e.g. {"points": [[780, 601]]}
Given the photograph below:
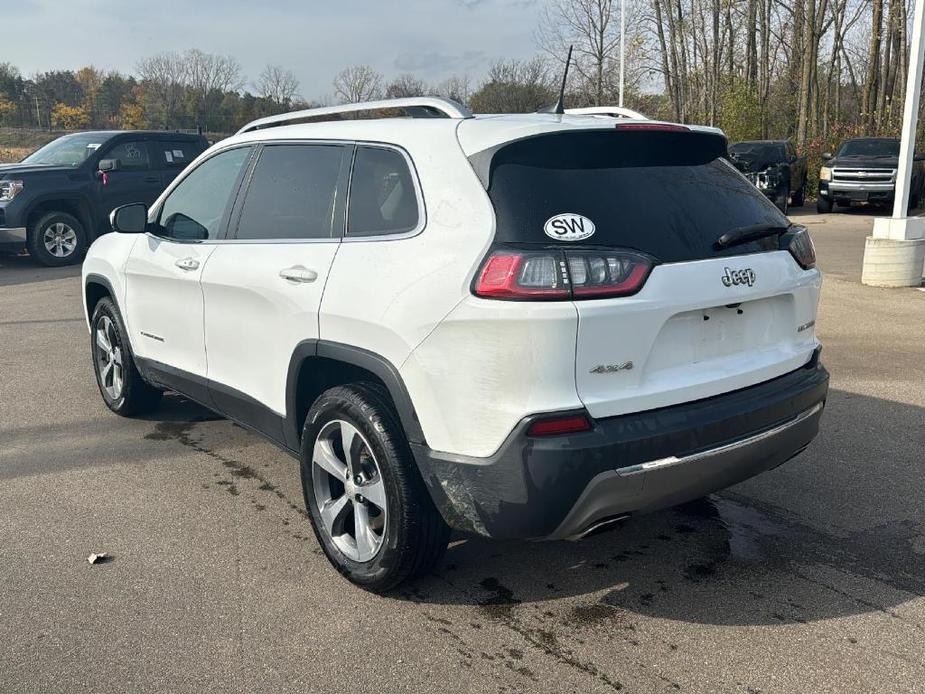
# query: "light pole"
{"points": [[895, 254], [622, 46]]}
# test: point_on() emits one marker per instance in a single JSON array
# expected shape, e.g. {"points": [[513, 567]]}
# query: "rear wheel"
{"points": [[368, 506], [122, 387], [57, 238], [823, 205]]}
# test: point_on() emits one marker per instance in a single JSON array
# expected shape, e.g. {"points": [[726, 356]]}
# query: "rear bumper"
{"points": [[560, 487]]}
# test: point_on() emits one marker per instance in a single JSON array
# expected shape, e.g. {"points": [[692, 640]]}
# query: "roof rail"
{"points": [[615, 111], [416, 106]]}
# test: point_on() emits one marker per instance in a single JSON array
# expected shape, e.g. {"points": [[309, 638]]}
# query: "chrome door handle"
{"points": [[187, 263], [298, 273]]}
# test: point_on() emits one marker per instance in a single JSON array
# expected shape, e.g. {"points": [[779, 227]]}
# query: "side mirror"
{"points": [[827, 155], [107, 165], [130, 219]]}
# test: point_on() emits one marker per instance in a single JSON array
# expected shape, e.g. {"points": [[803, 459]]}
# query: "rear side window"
{"points": [[668, 194], [383, 199], [174, 155], [293, 193]]}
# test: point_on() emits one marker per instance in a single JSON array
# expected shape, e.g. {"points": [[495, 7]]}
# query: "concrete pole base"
{"points": [[893, 262]]}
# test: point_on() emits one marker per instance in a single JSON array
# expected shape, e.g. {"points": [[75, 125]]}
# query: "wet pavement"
{"points": [[809, 578]]}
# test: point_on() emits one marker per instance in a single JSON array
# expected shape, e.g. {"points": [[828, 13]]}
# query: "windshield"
{"points": [[70, 150], [869, 148], [652, 192], [758, 150]]}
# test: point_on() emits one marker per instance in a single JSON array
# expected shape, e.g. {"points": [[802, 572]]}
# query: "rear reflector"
{"points": [[560, 275], [553, 426]]}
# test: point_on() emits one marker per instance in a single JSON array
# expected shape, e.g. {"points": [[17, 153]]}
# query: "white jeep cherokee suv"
{"points": [[518, 326]]}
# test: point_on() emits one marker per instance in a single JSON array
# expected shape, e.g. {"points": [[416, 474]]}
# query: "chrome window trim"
{"points": [[419, 194]]}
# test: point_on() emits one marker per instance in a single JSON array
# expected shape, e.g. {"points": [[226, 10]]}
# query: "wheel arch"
{"points": [[75, 205], [317, 365], [96, 287]]}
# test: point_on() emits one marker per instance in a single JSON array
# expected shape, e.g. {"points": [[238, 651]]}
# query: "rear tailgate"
{"points": [[709, 319], [689, 336]]}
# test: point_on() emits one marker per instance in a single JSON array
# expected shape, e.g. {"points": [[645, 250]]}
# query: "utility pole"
{"points": [[622, 47], [895, 254]]}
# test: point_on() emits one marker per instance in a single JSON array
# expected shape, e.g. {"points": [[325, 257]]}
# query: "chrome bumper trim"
{"points": [[728, 448]]}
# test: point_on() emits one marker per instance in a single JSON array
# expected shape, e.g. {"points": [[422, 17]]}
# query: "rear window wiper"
{"points": [[750, 233]]}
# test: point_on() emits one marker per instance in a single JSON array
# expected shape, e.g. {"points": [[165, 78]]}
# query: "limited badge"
{"points": [[568, 226]]}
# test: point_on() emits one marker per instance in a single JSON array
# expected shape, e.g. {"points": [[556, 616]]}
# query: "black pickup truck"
{"points": [[863, 170], [775, 169], [58, 199]]}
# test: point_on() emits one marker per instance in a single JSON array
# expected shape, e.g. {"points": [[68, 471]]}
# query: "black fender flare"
{"points": [[376, 364], [84, 206], [94, 278]]}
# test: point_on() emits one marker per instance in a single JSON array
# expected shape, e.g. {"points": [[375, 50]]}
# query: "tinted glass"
{"points": [[869, 148], [666, 194], [70, 150], [195, 208], [760, 150], [382, 195], [174, 155], [132, 156], [292, 193]]}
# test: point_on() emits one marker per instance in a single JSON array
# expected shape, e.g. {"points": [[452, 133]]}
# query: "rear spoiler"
{"points": [[634, 143]]}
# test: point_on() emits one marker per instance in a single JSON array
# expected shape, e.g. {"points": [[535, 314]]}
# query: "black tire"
{"points": [[56, 239], [413, 535], [799, 197], [134, 396], [824, 205]]}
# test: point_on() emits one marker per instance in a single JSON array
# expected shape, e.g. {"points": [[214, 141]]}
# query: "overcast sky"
{"points": [[430, 38]]}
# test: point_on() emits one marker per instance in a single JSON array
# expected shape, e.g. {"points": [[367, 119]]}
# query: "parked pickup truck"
{"points": [[863, 170], [775, 169], [58, 199]]}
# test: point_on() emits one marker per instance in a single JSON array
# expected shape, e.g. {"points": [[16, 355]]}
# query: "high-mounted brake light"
{"points": [[563, 424], [671, 127], [551, 275]]}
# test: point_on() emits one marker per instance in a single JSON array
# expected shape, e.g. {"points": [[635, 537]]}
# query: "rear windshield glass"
{"points": [[668, 194], [761, 150]]}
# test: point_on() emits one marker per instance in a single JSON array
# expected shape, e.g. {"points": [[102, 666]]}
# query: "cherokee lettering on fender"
{"points": [[568, 226], [736, 277]]}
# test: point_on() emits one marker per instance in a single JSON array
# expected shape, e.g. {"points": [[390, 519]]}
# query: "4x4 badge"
{"points": [[734, 277]]}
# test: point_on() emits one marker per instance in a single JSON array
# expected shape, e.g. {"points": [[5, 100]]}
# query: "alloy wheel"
{"points": [[349, 491], [109, 363], [60, 239]]}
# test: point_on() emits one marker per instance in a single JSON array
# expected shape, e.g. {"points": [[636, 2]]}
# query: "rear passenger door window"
{"points": [[293, 193], [174, 155], [383, 195]]}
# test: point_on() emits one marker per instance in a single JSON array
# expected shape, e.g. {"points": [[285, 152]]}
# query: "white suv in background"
{"points": [[519, 326]]}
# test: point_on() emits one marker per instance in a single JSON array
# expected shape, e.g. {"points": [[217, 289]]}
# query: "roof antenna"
{"points": [[559, 108]]}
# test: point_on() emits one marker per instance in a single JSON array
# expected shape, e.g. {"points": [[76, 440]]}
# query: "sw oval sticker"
{"points": [[568, 226]]}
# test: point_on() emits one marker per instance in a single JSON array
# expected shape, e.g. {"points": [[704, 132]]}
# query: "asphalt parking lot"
{"points": [[810, 578]]}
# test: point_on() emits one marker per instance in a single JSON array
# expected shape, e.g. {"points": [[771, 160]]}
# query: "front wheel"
{"points": [[368, 506], [122, 387], [823, 205], [57, 238]]}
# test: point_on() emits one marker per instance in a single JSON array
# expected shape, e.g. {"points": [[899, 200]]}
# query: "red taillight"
{"points": [[551, 275], [554, 426]]}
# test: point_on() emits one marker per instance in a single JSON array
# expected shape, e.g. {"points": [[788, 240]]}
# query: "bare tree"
{"points": [[278, 85], [457, 87], [163, 76], [357, 83], [515, 86], [405, 85], [593, 28], [206, 72]]}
